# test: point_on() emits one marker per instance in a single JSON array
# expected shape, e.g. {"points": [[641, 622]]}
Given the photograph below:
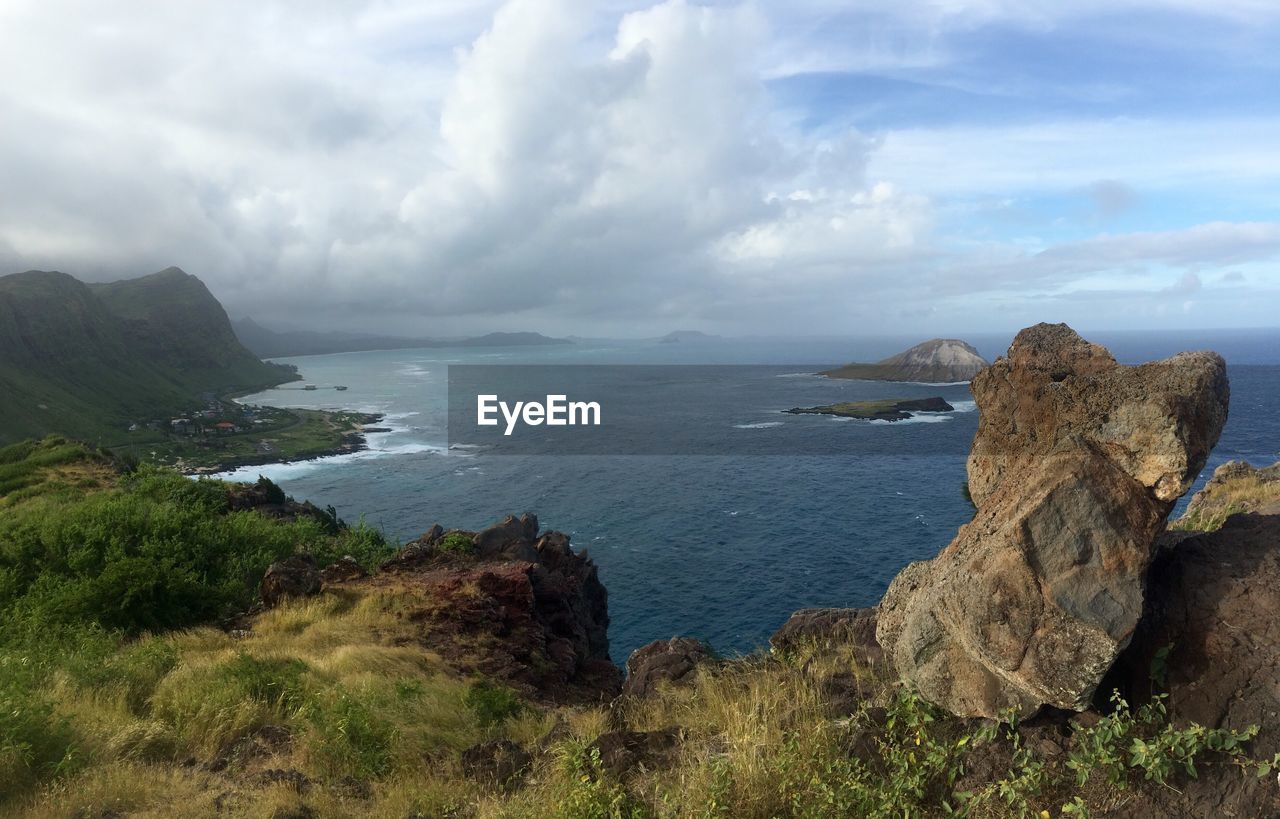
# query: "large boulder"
{"points": [[1076, 464], [830, 627], [294, 577], [664, 662]]}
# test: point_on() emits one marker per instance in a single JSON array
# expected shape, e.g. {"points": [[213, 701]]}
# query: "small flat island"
{"points": [[884, 409]]}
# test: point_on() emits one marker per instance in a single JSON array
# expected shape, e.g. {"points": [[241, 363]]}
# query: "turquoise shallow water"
{"points": [[722, 547]]}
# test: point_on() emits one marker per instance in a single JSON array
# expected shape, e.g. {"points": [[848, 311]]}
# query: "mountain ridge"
{"points": [[86, 359]]}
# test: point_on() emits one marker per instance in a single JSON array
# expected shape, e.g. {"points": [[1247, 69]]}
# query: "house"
{"points": [[181, 426], [225, 427]]}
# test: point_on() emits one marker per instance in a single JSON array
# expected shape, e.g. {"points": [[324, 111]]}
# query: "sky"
{"points": [[625, 169]]}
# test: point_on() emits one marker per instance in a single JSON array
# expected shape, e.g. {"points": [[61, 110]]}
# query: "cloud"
{"points": [[461, 166]]}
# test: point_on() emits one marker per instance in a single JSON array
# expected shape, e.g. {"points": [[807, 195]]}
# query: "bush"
{"points": [[159, 552], [493, 704], [456, 543]]}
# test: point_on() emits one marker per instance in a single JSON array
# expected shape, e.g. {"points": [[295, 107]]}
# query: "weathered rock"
{"points": [[623, 753], [672, 662], [1213, 600], [1212, 603], [498, 762], [826, 628], [511, 532], [295, 576], [346, 568], [1075, 466], [1056, 392]]}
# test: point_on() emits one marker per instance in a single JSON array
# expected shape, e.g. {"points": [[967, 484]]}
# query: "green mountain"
{"points": [[89, 359]]}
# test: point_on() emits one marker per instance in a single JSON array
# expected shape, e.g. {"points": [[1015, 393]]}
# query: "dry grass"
{"points": [[1244, 494]]}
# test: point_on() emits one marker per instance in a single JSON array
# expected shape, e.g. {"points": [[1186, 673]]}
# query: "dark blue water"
{"points": [[722, 547]]}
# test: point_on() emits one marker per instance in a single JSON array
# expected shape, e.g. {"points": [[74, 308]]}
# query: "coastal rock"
{"points": [[1235, 487], [1212, 605], [1056, 393], [1212, 602], [825, 628], [521, 608], [888, 409], [672, 662], [295, 576], [1074, 468]]}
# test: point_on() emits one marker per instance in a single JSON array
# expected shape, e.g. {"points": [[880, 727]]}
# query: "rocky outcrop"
{"points": [[1074, 468], [626, 753], [344, 568], [295, 576], [939, 360], [510, 604], [1235, 487], [498, 762], [827, 628], [1056, 393], [888, 409], [664, 662], [1210, 635], [1213, 604]]}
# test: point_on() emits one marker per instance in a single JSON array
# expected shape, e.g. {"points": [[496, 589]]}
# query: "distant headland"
{"points": [[939, 360]]}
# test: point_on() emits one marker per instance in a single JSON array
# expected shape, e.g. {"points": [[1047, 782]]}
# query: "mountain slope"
{"points": [[937, 360], [85, 360]]}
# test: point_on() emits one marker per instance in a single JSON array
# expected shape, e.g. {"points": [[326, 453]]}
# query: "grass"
{"points": [[330, 706], [1208, 512], [377, 727]]}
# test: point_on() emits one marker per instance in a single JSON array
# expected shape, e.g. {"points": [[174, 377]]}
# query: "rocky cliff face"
{"points": [[511, 603], [1210, 631], [1075, 466], [938, 360]]}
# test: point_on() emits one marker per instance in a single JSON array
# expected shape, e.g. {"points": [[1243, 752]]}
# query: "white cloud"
{"points": [[561, 166]]}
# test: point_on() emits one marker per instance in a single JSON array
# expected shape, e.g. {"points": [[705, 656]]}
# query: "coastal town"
{"points": [[221, 434]]}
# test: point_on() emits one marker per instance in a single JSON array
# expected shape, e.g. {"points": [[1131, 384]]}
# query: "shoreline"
{"points": [[350, 442]]}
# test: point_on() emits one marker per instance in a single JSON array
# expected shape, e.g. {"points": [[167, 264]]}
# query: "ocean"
{"points": [[722, 545]]}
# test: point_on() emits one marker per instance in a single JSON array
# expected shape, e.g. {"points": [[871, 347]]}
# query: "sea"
{"points": [[769, 513]]}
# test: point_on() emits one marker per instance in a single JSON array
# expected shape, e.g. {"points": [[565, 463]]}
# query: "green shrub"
{"points": [[1124, 743], [591, 794], [493, 704], [456, 543]]}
